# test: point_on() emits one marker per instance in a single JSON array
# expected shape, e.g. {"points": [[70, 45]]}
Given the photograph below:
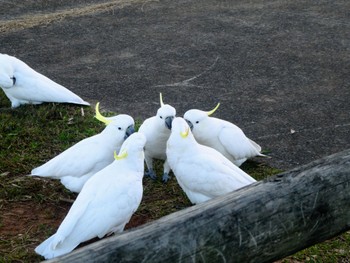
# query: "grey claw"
{"points": [[165, 178], [150, 173]]}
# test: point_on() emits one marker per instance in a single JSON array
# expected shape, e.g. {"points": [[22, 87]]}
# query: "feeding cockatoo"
{"points": [[157, 131], [23, 85], [202, 172], [78, 163], [222, 135], [106, 202]]}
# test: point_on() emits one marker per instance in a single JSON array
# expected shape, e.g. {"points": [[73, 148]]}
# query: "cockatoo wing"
{"points": [[256, 146], [104, 205], [78, 160], [35, 87], [209, 176], [221, 159], [75, 184], [237, 144]]}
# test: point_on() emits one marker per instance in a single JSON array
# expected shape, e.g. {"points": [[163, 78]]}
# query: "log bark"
{"points": [[263, 222]]}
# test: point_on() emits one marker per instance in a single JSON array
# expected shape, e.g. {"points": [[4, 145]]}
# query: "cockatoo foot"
{"points": [[150, 173], [165, 178]]}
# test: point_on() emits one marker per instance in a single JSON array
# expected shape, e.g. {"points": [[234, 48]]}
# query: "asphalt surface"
{"points": [[280, 69]]}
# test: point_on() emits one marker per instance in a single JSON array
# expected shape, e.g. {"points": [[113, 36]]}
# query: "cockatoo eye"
{"points": [[119, 128], [161, 117], [13, 80], [197, 122]]}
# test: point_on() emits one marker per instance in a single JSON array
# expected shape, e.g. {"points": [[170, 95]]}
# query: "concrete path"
{"points": [[281, 69]]}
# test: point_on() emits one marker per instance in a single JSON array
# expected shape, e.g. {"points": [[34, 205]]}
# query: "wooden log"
{"points": [[263, 222]]}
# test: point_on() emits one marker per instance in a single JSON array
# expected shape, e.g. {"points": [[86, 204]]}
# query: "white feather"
{"points": [[157, 133], [105, 204], [223, 136], [31, 87], [202, 172], [78, 163]]}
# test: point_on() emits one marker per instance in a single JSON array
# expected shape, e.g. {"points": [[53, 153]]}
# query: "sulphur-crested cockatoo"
{"points": [[78, 163], [201, 171], [106, 202], [221, 135], [157, 131], [23, 85]]}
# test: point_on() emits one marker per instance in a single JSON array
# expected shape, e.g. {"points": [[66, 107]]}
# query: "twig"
{"points": [[186, 82]]}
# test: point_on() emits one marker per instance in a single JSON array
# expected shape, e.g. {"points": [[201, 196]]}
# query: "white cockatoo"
{"points": [[157, 131], [23, 85], [222, 135], [78, 163], [202, 172], [106, 202]]}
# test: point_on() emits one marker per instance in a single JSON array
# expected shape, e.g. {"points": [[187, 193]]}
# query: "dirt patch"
{"points": [[24, 225], [31, 216]]}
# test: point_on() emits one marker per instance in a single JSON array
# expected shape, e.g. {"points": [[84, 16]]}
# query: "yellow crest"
{"points": [[123, 155], [185, 134], [213, 110], [99, 116], [161, 99]]}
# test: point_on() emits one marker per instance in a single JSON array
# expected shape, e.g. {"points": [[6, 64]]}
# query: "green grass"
{"points": [[31, 208], [335, 250]]}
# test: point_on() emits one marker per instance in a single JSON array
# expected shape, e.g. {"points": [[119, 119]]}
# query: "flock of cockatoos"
{"points": [[106, 169]]}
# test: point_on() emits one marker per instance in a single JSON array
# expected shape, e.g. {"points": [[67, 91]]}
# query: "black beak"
{"points": [[168, 121], [189, 124], [13, 80], [130, 130]]}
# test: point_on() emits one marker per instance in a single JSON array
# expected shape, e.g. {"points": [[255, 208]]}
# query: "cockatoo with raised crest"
{"points": [[157, 131], [106, 202], [23, 85], [222, 135], [202, 172], [78, 163]]}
